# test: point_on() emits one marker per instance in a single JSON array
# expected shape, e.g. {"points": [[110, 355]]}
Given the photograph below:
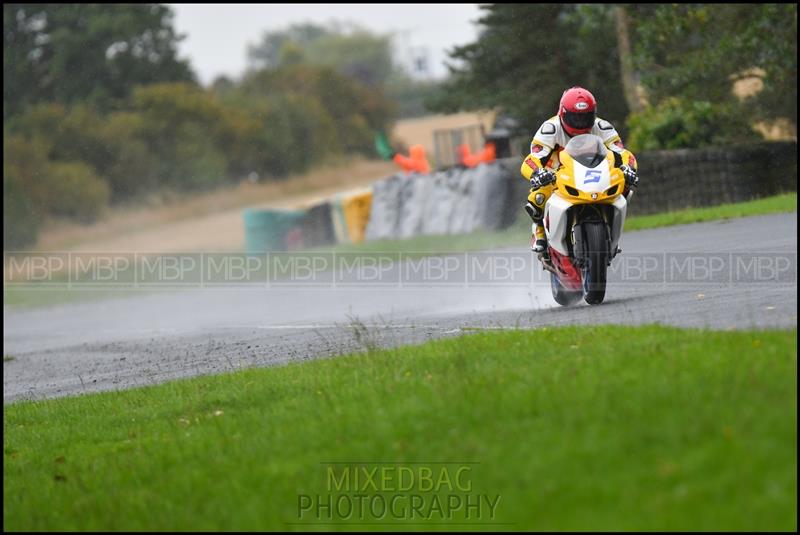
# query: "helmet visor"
{"points": [[579, 120]]}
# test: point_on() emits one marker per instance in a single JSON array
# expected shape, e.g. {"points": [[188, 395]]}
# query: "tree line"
{"points": [[664, 74], [99, 109]]}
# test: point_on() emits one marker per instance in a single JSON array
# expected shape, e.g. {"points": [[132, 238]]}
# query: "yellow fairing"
{"points": [[544, 190], [566, 188]]}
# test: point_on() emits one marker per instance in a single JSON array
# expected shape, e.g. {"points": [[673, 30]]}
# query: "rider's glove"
{"points": [[542, 177], [631, 177]]}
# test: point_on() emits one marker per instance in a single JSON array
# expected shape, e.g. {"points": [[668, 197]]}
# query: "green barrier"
{"points": [[267, 230]]}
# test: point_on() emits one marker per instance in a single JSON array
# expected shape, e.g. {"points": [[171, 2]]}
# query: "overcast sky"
{"points": [[217, 35]]}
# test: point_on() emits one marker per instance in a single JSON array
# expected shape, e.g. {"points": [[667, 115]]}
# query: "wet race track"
{"points": [[730, 274]]}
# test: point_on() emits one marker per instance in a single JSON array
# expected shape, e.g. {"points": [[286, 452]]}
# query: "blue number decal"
{"points": [[592, 176]]}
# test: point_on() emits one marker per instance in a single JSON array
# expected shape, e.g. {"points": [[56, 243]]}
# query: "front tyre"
{"points": [[595, 262]]}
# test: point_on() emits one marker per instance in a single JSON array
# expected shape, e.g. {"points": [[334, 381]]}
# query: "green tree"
{"points": [[20, 221], [266, 54], [697, 51], [112, 145], [74, 191], [86, 52], [528, 54], [181, 125], [409, 94], [347, 48], [297, 133], [347, 113], [359, 54], [352, 52], [130, 165], [24, 166], [38, 187], [675, 123]]}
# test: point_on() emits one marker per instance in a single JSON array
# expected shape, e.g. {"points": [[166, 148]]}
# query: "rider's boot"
{"points": [[538, 238]]}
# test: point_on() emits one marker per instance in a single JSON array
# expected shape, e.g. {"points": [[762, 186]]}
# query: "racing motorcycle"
{"points": [[583, 220]]}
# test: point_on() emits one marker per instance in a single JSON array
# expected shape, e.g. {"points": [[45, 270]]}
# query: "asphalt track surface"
{"points": [[735, 274]]}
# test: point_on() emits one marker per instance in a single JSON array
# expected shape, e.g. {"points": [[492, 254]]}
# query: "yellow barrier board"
{"points": [[356, 208]]}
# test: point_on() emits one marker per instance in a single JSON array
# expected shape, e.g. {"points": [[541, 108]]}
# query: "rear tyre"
{"points": [[596, 262], [561, 295]]}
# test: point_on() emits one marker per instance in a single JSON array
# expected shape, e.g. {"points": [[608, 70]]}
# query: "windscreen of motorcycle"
{"points": [[587, 149]]}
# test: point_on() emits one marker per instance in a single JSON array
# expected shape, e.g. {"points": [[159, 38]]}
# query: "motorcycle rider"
{"points": [[576, 115]]}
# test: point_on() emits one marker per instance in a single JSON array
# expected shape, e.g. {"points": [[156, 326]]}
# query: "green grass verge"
{"points": [[768, 205], [600, 428]]}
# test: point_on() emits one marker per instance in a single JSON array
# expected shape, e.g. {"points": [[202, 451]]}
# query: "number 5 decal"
{"points": [[592, 176]]}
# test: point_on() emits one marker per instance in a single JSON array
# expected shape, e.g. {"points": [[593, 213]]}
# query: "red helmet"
{"points": [[577, 111]]}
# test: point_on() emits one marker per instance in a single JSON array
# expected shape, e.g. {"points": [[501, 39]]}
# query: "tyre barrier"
{"points": [[385, 214], [454, 201], [318, 226], [268, 229]]}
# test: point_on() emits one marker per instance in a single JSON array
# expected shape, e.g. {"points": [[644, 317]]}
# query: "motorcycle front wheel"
{"points": [[596, 263]]}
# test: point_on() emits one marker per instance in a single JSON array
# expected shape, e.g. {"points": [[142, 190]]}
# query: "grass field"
{"points": [[672, 430]]}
